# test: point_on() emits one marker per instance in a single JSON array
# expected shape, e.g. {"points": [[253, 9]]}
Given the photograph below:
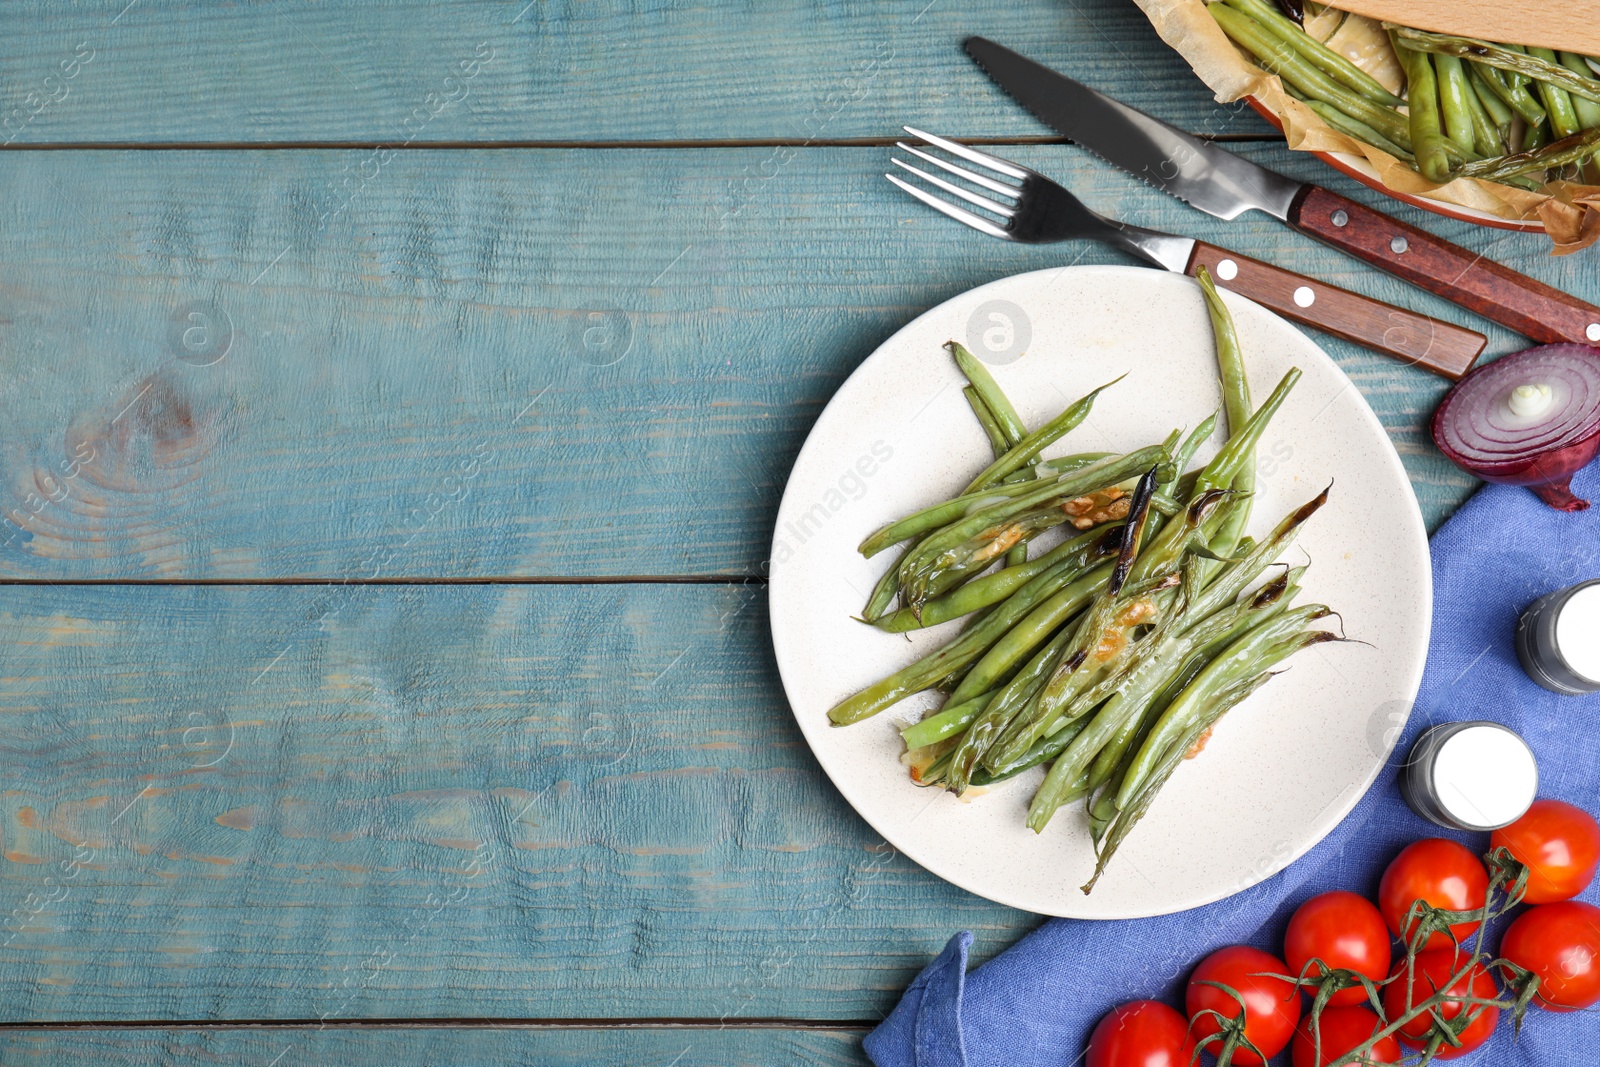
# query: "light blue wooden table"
{"points": [[396, 401]]}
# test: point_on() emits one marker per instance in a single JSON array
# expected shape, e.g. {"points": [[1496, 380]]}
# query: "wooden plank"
{"points": [[455, 1045], [176, 71], [563, 362], [439, 801]]}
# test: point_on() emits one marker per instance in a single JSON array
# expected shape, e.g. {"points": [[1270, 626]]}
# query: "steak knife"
{"points": [[1216, 181]]}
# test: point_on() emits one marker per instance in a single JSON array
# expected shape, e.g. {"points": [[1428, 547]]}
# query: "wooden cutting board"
{"points": [[1573, 25]]}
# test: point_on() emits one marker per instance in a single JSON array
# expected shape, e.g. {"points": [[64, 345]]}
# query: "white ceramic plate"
{"points": [[1282, 768]]}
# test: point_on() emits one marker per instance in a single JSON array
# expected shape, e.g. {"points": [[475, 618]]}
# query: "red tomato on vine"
{"points": [[1560, 943], [1344, 931], [1271, 1005], [1440, 872], [1559, 843], [1342, 1030], [1141, 1033], [1432, 974]]}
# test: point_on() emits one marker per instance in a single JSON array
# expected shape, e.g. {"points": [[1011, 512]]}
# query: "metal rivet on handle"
{"points": [[1593, 332], [1340, 218], [1304, 297], [1398, 245], [1227, 270]]}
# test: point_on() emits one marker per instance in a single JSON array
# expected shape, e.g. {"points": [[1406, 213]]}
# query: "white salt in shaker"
{"points": [[1470, 776], [1558, 639]]}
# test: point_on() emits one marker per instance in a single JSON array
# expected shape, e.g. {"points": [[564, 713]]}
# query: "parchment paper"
{"points": [[1569, 212]]}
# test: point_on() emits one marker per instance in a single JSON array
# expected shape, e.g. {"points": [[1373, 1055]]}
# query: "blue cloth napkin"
{"points": [[1036, 1003]]}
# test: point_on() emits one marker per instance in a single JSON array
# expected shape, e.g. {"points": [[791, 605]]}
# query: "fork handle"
{"points": [[1417, 339]]}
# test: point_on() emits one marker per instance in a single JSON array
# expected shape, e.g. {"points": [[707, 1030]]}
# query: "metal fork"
{"points": [[1029, 208]]}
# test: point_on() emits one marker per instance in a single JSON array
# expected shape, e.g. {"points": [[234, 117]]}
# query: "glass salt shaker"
{"points": [[1470, 776], [1558, 639]]}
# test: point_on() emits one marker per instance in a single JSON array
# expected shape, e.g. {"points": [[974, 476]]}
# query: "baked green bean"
{"points": [[1453, 91], [1126, 819], [1557, 101], [1359, 130], [934, 668], [1318, 54], [884, 590], [1191, 444], [1022, 453], [1005, 705], [986, 419], [1422, 104], [1242, 659], [1030, 632], [1236, 403], [1003, 430], [1515, 98], [1043, 752], [946, 722], [1240, 449], [1506, 57], [1487, 137], [1283, 61], [1588, 111], [993, 397], [979, 593], [1498, 111], [1560, 153]]}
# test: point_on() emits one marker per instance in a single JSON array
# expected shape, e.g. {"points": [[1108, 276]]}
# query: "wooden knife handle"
{"points": [[1438, 346], [1530, 307]]}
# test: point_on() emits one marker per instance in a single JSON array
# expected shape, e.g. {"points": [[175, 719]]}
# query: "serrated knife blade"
{"points": [[1212, 179], [1220, 183]]}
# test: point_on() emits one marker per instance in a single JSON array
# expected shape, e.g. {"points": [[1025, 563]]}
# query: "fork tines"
{"points": [[1011, 190]]}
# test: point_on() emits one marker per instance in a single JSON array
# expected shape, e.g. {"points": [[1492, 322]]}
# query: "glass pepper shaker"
{"points": [[1558, 639]]}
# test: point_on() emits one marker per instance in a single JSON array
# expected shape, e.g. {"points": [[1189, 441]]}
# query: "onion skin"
{"points": [[1549, 476], [1547, 473]]}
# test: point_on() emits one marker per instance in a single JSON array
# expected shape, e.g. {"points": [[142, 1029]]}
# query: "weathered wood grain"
{"points": [[453, 1045], [500, 363], [433, 801], [177, 71]]}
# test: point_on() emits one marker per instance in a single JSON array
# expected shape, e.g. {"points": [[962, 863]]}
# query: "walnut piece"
{"points": [[1104, 505]]}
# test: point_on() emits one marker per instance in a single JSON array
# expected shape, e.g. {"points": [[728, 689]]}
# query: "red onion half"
{"points": [[1531, 418]]}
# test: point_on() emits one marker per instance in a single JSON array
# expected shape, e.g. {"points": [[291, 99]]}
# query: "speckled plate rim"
{"points": [[867, 772]]}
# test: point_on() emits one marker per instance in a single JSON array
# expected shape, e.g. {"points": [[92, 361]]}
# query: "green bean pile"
{"points": [[1475, 109], [1113, 654]]}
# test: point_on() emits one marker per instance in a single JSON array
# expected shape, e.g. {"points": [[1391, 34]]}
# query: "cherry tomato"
{"points": [[1342, 1030], [1443, 873], [1344, 931], [1561, 846], [1433, 970], [1141, 1033], [1271, 1005], [1560, 943]]}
